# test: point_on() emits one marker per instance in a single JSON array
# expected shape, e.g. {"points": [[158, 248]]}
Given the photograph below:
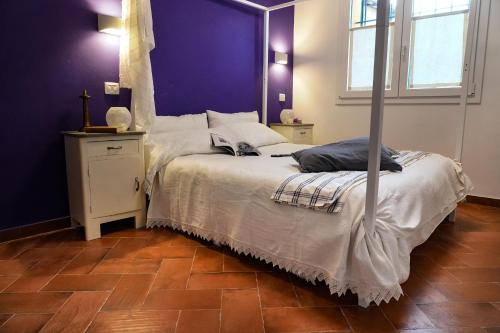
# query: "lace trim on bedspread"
{"points": [[366, 293]]}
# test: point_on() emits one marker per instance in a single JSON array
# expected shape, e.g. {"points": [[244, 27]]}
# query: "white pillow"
{"points": [[163, 124], [217, 119], [191, 141], [256, 134]]}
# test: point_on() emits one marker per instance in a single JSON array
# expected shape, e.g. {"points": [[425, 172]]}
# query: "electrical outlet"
{"points": [[282, 98], [111, 88]]}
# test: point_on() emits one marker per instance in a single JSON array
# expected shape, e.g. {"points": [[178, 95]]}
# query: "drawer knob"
{"points": [[137, 184], [303, 132], [115, 148]]}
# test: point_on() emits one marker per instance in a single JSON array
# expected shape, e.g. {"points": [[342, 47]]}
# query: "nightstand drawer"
{"points": [[107, 148], [302, 135]]}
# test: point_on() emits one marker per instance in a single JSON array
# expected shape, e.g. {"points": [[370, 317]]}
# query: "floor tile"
{"points": [[276, 290], [222, 280], [476, 274], [199, 321], [56, 239], [12, 249], [422, 292], [310, 295], [4, 317], [184, 240], [470, 291], [207, 260], [484, 247], [183, 299], [6, 281], [58, 253], [370, 320], [134, 321], [238, 263], [462, 314], [130, 292], [241, 312], [106, 243], [44, 302], [25, 323], [404, 314], [430, 271], [87, 282], [127, 266], [162, 236], [173, 274], [483, 260], [85, 261], [37, 276], [304, 320], [127, 248], [77, 313], [14, 267], [492, 329], [164, 252]]}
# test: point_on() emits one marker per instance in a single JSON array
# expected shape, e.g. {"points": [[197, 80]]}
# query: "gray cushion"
{"points": [[344, 155]]}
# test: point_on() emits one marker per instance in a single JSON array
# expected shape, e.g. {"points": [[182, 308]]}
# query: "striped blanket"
{"points": [[328, 190]]}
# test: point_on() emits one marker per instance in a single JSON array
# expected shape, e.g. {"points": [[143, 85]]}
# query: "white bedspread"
{"points": [[226, 199]]}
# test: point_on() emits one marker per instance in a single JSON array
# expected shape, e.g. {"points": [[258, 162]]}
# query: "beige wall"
{"points": [[421, 127]]}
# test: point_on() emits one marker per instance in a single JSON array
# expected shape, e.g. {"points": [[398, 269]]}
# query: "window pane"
{"points": [[437, 51], [362, 57], [432, 7], [364, 12]]}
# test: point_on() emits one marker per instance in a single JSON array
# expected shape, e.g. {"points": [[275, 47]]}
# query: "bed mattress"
{"points": [[226, 199]]}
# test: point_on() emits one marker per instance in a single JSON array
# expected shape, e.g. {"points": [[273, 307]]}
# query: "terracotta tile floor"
{"points": [[163, 281]]}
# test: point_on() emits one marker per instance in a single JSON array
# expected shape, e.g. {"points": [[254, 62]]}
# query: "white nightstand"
{"points": [[295, 133], [105, 178]]}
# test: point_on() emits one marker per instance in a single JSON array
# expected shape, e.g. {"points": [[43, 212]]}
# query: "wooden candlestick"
{"points": [[86, 119]]}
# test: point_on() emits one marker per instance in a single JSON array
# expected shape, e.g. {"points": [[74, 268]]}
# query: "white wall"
{"points": [[419, 127]]}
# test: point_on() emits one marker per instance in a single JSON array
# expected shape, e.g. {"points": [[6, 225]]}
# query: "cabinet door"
{"points": [[114, 185]]}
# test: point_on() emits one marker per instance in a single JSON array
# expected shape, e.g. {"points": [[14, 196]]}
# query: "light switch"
{"points": [[282, 98], [111, 88]]}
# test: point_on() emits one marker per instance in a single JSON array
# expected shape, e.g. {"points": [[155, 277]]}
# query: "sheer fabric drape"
{"points": [[135, 65]]}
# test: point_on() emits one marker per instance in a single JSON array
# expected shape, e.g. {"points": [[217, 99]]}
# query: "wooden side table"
{"points": [[105, 179], [295, 133]]}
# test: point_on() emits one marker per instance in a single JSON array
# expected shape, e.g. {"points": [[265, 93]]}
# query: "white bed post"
{"points": [[377, 114], [473, 13], [265, 69]]}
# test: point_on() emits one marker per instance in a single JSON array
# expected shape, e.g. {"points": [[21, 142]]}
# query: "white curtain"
{"points": [[135, 65]]}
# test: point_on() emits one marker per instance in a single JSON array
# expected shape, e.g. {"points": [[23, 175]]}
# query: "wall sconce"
{"points": [[109, 24], [281, 58]]}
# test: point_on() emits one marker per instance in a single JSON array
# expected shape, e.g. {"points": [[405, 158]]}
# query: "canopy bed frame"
{"points": [[364, 209], [377, 106]]}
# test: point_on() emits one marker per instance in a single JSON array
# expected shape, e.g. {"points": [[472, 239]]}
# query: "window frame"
{"points": [[474, 59], [345, 31]]}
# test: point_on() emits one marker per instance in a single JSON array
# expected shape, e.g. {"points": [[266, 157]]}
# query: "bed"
{"points": [[226, 199]]}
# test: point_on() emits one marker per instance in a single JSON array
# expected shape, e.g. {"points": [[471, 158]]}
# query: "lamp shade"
{"points": [[119, 117]]}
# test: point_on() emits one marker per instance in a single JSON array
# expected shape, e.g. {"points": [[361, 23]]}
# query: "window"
{"points": [[362, 44], [427, 47]]}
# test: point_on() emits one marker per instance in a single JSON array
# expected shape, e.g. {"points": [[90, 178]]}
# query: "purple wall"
{"points": [[281, 23], [208, 56], [50, 52]]}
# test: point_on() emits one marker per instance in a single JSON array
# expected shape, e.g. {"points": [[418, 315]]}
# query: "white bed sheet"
{"points": [[226, 199]]}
